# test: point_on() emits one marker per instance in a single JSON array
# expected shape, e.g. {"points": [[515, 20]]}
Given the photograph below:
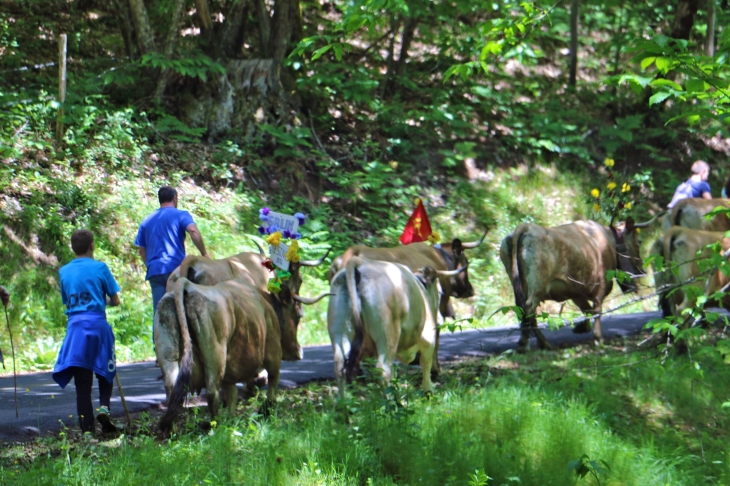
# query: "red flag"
{"points": [[418, 227]]}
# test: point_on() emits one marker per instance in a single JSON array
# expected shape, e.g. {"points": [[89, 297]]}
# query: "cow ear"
{"points": [[430, 274], [630, 225], [456, 246]]}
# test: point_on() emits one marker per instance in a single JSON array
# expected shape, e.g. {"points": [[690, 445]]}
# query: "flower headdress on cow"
{"points": [[276, 237], [620, 195], [418, 227]]}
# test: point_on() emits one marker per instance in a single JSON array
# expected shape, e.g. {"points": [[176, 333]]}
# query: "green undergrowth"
{"points": [[516, 419]]}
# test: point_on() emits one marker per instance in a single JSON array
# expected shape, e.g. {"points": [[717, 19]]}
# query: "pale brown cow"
{"points": [[688, 213], [446, 257], [684, 249], [567, 262], [383, 309]]}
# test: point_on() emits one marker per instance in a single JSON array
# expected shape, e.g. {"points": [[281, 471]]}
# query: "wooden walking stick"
{"points": [[124, 401], [5, 297]]}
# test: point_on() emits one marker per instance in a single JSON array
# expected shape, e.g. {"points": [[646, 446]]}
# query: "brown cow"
{"points": [[688, 213], [684, 248], [247, 266], [216, 336], [567, 262], [449, 256]]}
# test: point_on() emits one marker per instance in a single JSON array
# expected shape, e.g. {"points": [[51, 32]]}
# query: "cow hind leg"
{"points": [[427, 357], [230, 396], [273, 368]]}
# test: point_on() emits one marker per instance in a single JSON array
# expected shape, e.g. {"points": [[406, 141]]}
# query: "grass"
{"points": [[518, 419]]}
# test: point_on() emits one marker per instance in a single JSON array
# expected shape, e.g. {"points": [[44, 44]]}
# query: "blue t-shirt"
{"points": [[85, 283], [699, 188], [162, 234]]}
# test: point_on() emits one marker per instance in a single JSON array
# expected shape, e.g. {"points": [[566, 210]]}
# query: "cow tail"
{"points": [[515, 274], [182, 385], [352, 360]]}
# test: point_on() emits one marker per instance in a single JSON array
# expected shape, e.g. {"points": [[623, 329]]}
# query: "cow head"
{"points": [[628, 250], [454, 256], [288, 306]]}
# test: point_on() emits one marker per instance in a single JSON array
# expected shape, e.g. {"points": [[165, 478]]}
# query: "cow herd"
{"points": [[219, 324]]}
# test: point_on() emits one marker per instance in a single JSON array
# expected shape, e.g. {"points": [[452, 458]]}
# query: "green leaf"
{"points": [[695, 85], [319, 52], [659, 97], [646, 62], [338, 51], [664, 64], [666, 82]]}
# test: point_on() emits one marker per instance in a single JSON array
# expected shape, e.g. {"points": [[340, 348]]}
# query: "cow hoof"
{"points": [[266, 408]]}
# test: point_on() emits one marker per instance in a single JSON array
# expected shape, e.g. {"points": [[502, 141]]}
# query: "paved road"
{"points": [[43, 405]]}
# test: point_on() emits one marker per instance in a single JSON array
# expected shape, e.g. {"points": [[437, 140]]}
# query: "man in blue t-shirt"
{"points": [[87, 287], [161, 241]]}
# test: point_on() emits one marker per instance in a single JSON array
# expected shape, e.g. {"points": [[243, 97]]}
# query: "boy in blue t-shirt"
{"points": [[87, 287], [161, 241], [696, 186]]}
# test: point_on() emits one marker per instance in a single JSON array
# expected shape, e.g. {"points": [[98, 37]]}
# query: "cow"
{"points": [[447, 256], [688, 213], [684, 248], [247, 265], [568, 262], [383, 309], [216, 336]]}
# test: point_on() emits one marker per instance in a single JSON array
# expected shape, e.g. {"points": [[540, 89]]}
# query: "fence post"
{"points": [[62, 41]]}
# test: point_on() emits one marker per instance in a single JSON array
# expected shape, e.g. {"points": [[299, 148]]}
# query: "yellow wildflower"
{"points": [[434, 238], [609, 162], [596, 207], [625, 188], [638, 230], [274, 238], [292, 254], [595, 193], [628, 205], [611, 186]]}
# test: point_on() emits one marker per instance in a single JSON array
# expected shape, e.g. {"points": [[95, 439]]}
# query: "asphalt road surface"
{"points": [[43, 405]]}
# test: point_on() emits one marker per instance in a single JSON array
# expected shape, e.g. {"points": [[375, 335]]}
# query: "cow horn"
{"points": [[310, 300], [261, 250], [451, 273], [650, 222], [314, 263], [474, 244]]}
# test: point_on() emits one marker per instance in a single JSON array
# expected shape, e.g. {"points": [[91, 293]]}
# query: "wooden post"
{"points": [[62, 42]]}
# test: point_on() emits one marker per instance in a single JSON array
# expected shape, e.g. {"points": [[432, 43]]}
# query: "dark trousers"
{"points": [[158, 284], [83, 379]]}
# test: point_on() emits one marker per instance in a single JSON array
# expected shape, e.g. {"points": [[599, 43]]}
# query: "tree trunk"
{"points": [[145, 37], [234, 28], [202, 12], [684, 18], [283, 24], [264, 21], [573, 65], [710, 39], [169, 47], [121, 7], [408, 31], [390, 62]]}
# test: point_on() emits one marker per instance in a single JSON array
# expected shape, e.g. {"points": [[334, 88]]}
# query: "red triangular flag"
{"points": [[418, 227]]}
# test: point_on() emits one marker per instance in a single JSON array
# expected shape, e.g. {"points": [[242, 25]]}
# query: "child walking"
{"points": [[87, 287]]}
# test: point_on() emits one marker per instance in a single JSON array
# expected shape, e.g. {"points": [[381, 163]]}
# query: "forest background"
{"points": [[495, 113]]}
